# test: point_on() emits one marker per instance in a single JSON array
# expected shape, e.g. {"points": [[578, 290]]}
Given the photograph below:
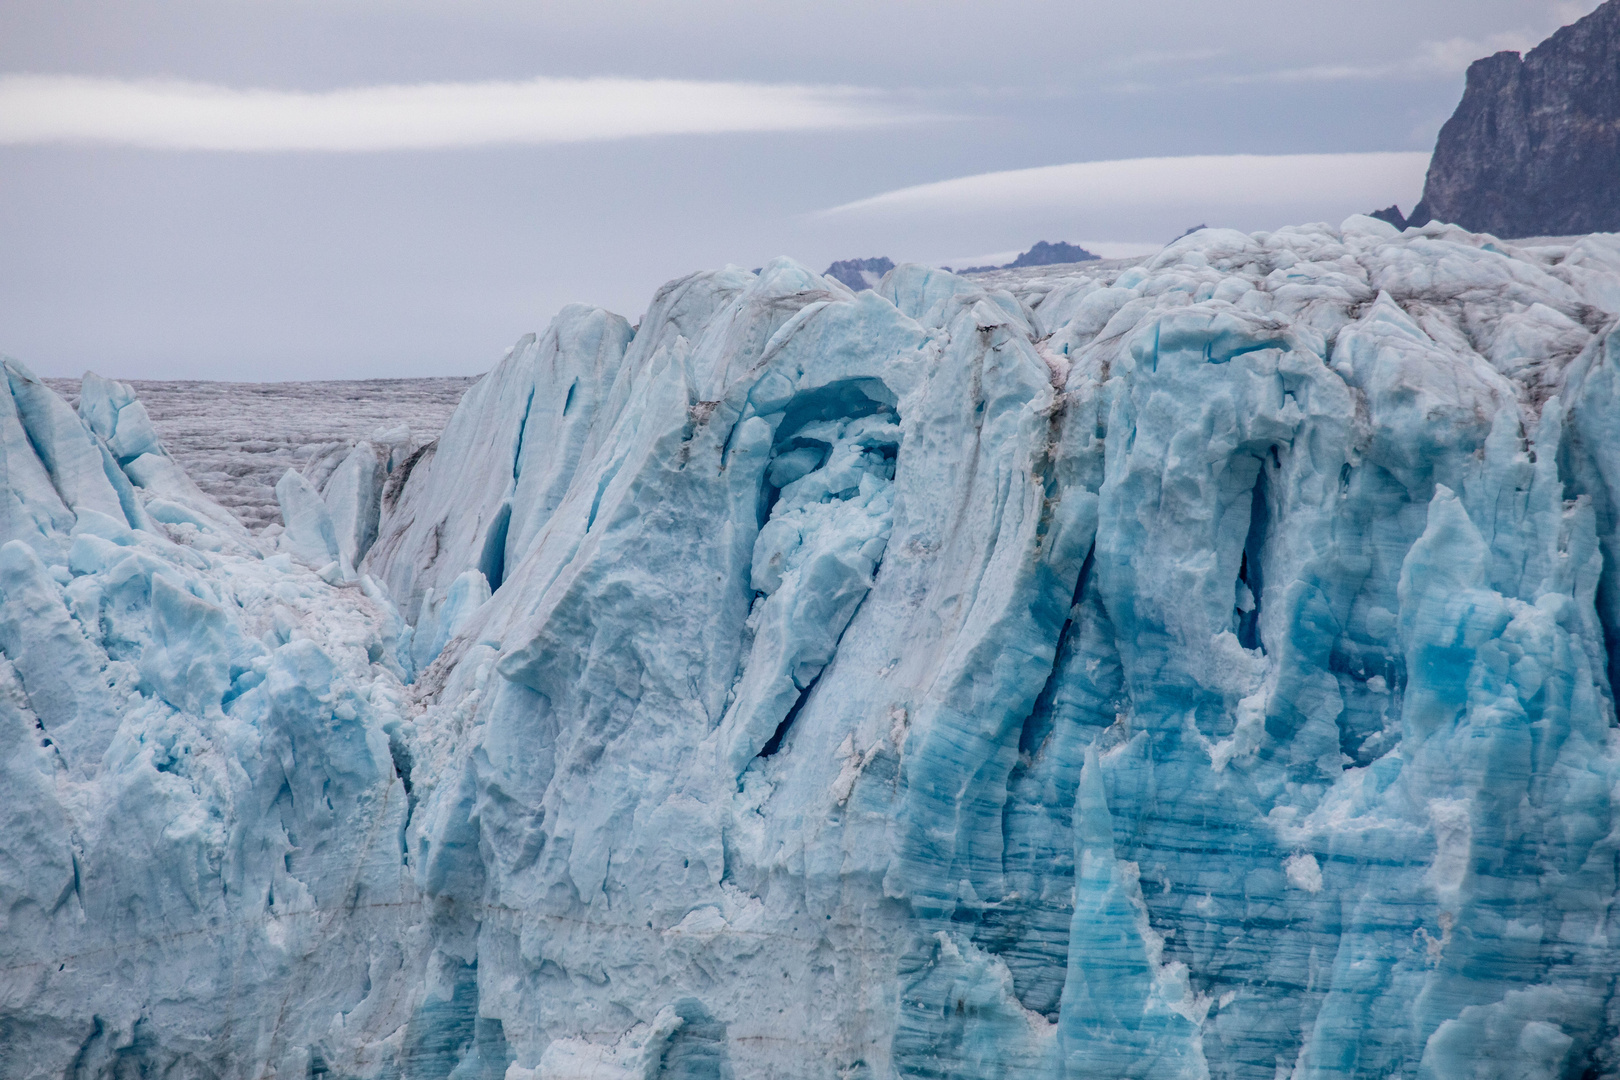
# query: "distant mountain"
{"points": [[1045, 254], [1042, 254], [859, 274], [1534, 146]]}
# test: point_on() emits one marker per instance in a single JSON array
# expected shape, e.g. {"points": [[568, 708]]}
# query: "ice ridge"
{"points": [[1195, 667]]}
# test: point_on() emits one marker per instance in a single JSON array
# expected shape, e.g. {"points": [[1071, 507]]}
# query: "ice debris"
{"points": [[1197, 666]]}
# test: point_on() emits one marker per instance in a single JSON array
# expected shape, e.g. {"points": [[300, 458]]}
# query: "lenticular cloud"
{"points": [[1238, 179], [174, 115], [1131, 201]]}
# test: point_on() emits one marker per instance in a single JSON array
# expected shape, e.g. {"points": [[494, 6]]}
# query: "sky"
{"points": [[261, 190]]}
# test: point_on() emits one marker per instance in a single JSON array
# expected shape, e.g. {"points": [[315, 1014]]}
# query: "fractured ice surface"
{"points": [[201, 848], [1195, 667]]}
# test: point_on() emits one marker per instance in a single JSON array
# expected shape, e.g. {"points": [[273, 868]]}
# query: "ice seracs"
{"points": [[193, 736], [1196, 666]]}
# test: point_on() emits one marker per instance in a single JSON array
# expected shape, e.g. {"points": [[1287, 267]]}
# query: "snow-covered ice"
{"points": [[1196, 666]]}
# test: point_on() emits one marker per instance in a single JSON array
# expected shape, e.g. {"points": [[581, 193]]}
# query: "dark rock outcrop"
{"points": [[1044, 253], [1534, 146], [1391, 214], [860, 274]]}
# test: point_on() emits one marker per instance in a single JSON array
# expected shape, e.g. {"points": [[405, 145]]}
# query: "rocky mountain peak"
{"points": [[1534, 146]]}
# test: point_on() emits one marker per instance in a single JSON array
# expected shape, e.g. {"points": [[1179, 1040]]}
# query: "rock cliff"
{"points": [[1534, 147]]}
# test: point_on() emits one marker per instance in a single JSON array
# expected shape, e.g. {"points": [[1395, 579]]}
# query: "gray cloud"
{"points": [[1434, 58]]}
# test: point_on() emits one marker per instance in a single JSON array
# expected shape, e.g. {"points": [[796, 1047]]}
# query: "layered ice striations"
{"points": [[1195, 667]]}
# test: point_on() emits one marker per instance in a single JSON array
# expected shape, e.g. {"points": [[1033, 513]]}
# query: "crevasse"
{"points": [[1194, 667]]}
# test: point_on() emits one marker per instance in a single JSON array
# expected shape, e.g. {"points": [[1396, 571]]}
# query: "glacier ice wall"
{"points": [[201, 840], [1191, 668]]}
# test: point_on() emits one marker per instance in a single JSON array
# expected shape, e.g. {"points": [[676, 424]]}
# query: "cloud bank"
{"points": [[174, 115], [1216, 182], [1119, 207]]}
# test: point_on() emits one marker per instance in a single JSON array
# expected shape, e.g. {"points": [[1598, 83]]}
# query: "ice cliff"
{"points": [[1198, 667]]}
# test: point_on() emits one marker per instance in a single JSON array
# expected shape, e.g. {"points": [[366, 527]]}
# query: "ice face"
{"points": [[309, 533], [113, 414], [196, 760], [1194, 667], [832, 482], [505, 460]]}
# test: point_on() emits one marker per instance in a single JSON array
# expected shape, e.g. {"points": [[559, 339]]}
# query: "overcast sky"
{"points": [[277, 189]]}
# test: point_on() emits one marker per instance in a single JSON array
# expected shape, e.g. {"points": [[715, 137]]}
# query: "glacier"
{"points": [[1194, 666]]}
